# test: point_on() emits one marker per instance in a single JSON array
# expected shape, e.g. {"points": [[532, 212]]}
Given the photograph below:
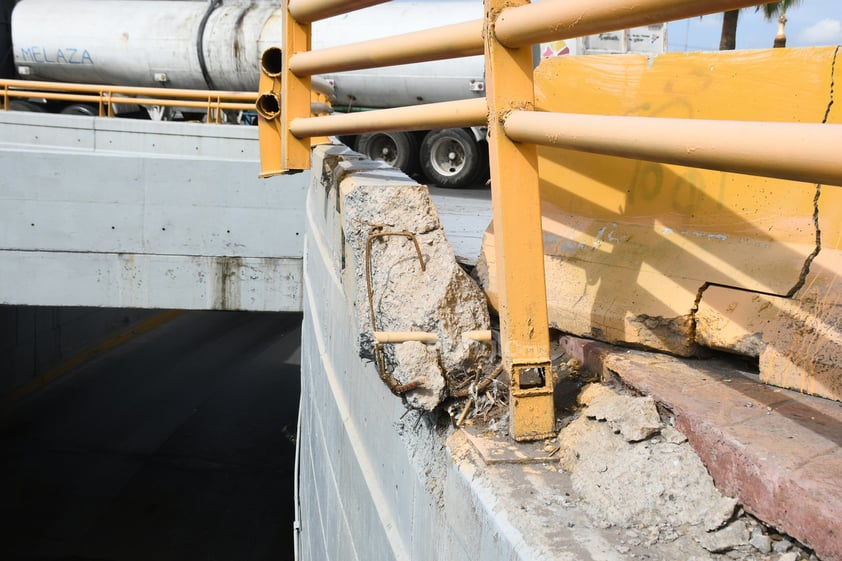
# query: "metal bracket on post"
{"points": [[531, 407]]}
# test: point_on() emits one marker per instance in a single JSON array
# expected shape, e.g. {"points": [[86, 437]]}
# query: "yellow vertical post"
{"points": [[518, 238], [295, 96]]}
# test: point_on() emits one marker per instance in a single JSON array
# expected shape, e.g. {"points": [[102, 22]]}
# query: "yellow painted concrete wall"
{"points": [[631, 247]]}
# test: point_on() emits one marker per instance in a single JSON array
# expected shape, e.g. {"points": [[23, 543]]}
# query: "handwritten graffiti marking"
{"points": [[67, 55]]}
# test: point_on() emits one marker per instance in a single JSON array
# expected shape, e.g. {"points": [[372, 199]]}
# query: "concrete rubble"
{"points": [[636, 418], [652, 489], [626, 481], [621, 479], [440, 299]]}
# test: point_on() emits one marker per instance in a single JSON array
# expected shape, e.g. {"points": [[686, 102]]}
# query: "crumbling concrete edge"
{"points": [[783, 496], [363, 483], [377, 482]]}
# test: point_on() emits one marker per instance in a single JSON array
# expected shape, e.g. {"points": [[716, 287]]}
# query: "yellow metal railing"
{"points": [[106, 97], [506, 37]]}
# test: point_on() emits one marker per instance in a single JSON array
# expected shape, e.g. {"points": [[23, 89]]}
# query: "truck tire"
{"points": [[23, 105], [484, 171], [452, 158], [81, 109], [398, 149]]}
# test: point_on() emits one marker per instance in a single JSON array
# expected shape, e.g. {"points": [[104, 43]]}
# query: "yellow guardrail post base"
{"points": [[516, 206], [531, 406]]}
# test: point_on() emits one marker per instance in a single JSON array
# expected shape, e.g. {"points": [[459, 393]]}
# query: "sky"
{"points": [[812, 23]]}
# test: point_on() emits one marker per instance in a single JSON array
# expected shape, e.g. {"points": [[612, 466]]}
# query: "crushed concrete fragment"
{"points": [[725, 539], [672, 435], [592, 392], [643, 483], [791, 556], [782, 546], [417, 363], [760, 541], [636, 418]]}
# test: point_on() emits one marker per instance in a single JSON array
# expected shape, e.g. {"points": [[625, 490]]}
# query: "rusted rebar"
{"points": [[379, 353]]}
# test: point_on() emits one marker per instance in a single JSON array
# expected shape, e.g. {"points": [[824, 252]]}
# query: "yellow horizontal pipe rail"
{"points": [[84, 98], [13, 85], [515, 27], [272, 65], [450, 41], [118, 100], [552, 20], [797, 151], [463, 113], [308, 11], [182, 103]]}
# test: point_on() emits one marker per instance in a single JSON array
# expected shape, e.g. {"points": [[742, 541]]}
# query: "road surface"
{"points": [[464, 214], [178, 445]]}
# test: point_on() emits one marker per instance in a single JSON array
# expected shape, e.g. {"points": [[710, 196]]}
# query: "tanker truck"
{"points": [[216, 44]]}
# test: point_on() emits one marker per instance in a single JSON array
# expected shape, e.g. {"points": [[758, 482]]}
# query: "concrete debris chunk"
{"points": [[647, 483], [417, 363], [673, 435], [760, 541], [636, 418], [592, 392], [726, 539], [782, 546], [440, 299]]}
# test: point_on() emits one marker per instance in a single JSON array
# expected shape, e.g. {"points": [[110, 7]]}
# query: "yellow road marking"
{"points": [[87, 355]]}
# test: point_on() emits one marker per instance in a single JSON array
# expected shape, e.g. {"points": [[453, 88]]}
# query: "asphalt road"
{"points": [[177, 445], [464, 214]]}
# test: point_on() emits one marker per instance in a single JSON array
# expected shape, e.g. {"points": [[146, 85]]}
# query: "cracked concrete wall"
{"points": [[796, 338], [633, 250]]}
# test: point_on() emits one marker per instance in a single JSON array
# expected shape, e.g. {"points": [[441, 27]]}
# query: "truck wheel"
{"points": [[81, 109], [23, 105], [451, 158], [398, 149], [484, 171]]}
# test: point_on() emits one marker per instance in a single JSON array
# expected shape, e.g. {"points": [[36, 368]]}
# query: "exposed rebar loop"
{"points": [[379, 354]]}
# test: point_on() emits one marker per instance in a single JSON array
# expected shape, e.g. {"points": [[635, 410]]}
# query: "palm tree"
{"points": [[728, 38], [779, 9]]}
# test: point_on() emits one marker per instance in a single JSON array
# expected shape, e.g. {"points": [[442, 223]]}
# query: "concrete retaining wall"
{"points": [[372, 487], [142, 214], [377, 482]]}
